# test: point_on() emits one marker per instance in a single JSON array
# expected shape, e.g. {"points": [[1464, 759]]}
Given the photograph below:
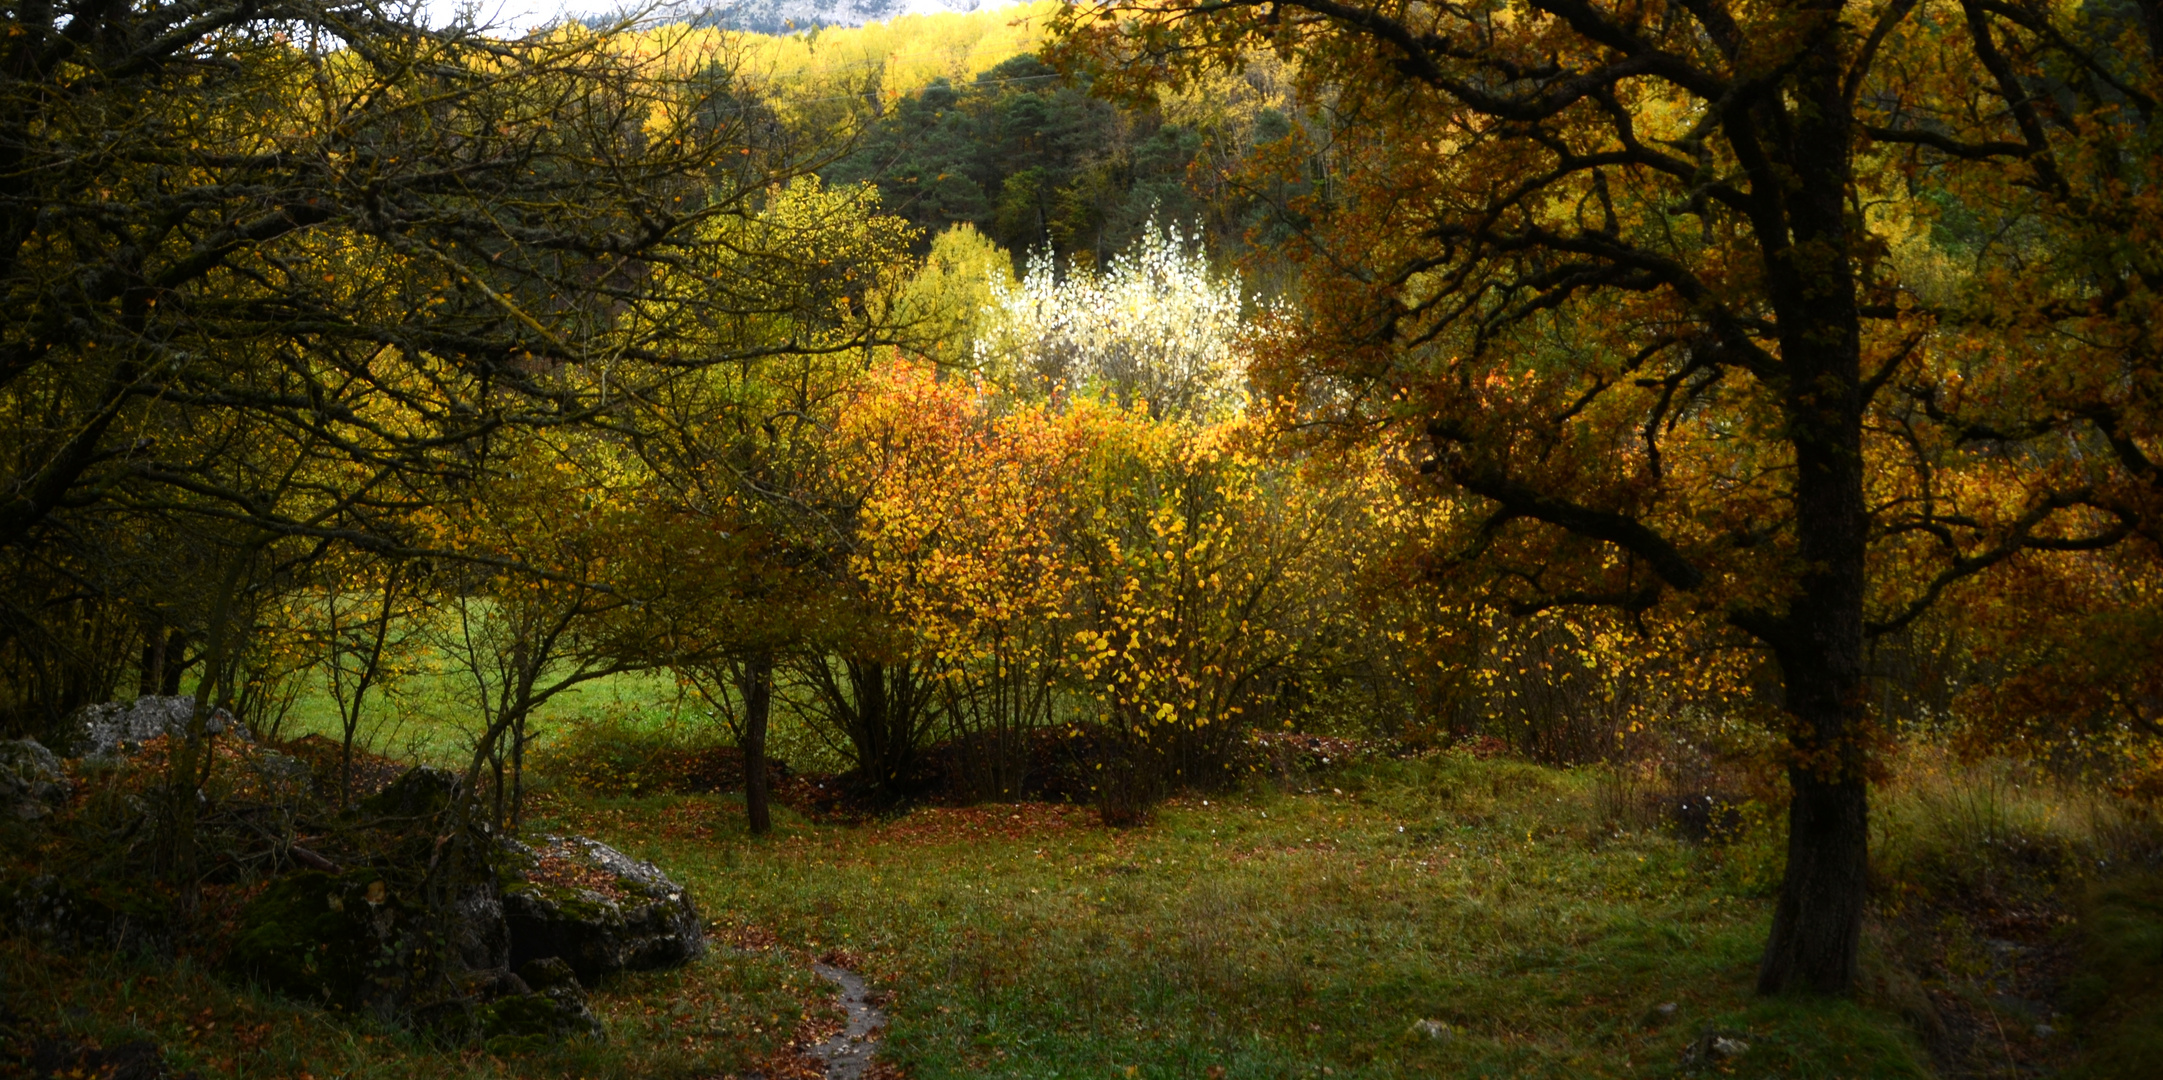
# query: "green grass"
{"points": [[1279, 935], [1261, 935], [2119, 993], [429, 717]]}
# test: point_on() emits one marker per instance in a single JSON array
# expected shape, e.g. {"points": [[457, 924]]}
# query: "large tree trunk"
{"points": [[172, 663], [1817, 925], [150, 676], [758, 691]]}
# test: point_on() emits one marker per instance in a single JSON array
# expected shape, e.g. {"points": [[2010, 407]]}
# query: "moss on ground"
{"points": [[2118, 996]]}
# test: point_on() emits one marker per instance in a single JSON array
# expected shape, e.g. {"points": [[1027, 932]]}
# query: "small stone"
{"points": [[2044, 1031], [522, 1023], [1433, 1029], [548, 973], [1659, 1014], [1713, 1048], [488, 985]]}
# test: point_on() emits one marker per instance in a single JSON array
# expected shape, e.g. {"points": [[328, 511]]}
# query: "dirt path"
{"points": [[848, 1054]]}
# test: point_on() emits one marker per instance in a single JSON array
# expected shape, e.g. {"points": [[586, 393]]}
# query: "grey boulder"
{"points": [[118, 728], [598, 910], [32, 784]]}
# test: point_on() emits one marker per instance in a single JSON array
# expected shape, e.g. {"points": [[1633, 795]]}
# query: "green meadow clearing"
{"points": [[1441, 916]]}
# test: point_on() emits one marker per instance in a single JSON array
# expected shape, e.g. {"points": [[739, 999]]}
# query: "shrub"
{"points": [[621, 755]]}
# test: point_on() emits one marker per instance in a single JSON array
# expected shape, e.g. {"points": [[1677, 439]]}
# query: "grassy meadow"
{"points": [[1278, 934], [1438, 916], [411, 721], [418, 717]]}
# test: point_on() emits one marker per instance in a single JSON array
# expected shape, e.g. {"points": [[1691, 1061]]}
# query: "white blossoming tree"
{"points": [[1155, 325]]}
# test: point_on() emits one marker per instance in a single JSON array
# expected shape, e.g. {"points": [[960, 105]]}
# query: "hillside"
{"points": [[793, 16], [903, 54]]}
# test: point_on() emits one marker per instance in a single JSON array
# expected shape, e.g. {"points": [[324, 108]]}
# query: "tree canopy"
{"points": [[286, 278], [1640, 279]]}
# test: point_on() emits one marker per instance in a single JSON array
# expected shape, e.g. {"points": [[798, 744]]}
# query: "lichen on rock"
{"points": [[598, 909], [116, 728], [32, 782]]}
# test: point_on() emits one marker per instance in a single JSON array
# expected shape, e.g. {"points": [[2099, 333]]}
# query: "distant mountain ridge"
{"points": [[793, 16]]}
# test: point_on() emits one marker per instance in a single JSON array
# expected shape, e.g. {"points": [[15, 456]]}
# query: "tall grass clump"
{"points": [[2003, 894], [2003, 832]]}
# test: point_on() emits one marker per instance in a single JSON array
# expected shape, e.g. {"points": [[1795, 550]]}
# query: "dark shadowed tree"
{"points": [[1665, 292], [280, 278]]}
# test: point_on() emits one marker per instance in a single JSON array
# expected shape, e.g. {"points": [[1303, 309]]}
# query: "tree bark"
{"points": [[1817, 924], [758, 693], [150, 677], [875, 751], [189, 761], [172, 663]]}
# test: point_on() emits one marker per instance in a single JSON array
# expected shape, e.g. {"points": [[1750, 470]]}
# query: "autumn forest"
{"points": [[1086, 538]]}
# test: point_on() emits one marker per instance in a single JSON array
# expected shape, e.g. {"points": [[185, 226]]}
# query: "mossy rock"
{"points": [[602, 912], [549, 974], [554, 1009], [582, 929], [549, 1015], [32, 782], [422, 792], [340, 938], [68, 914]]}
